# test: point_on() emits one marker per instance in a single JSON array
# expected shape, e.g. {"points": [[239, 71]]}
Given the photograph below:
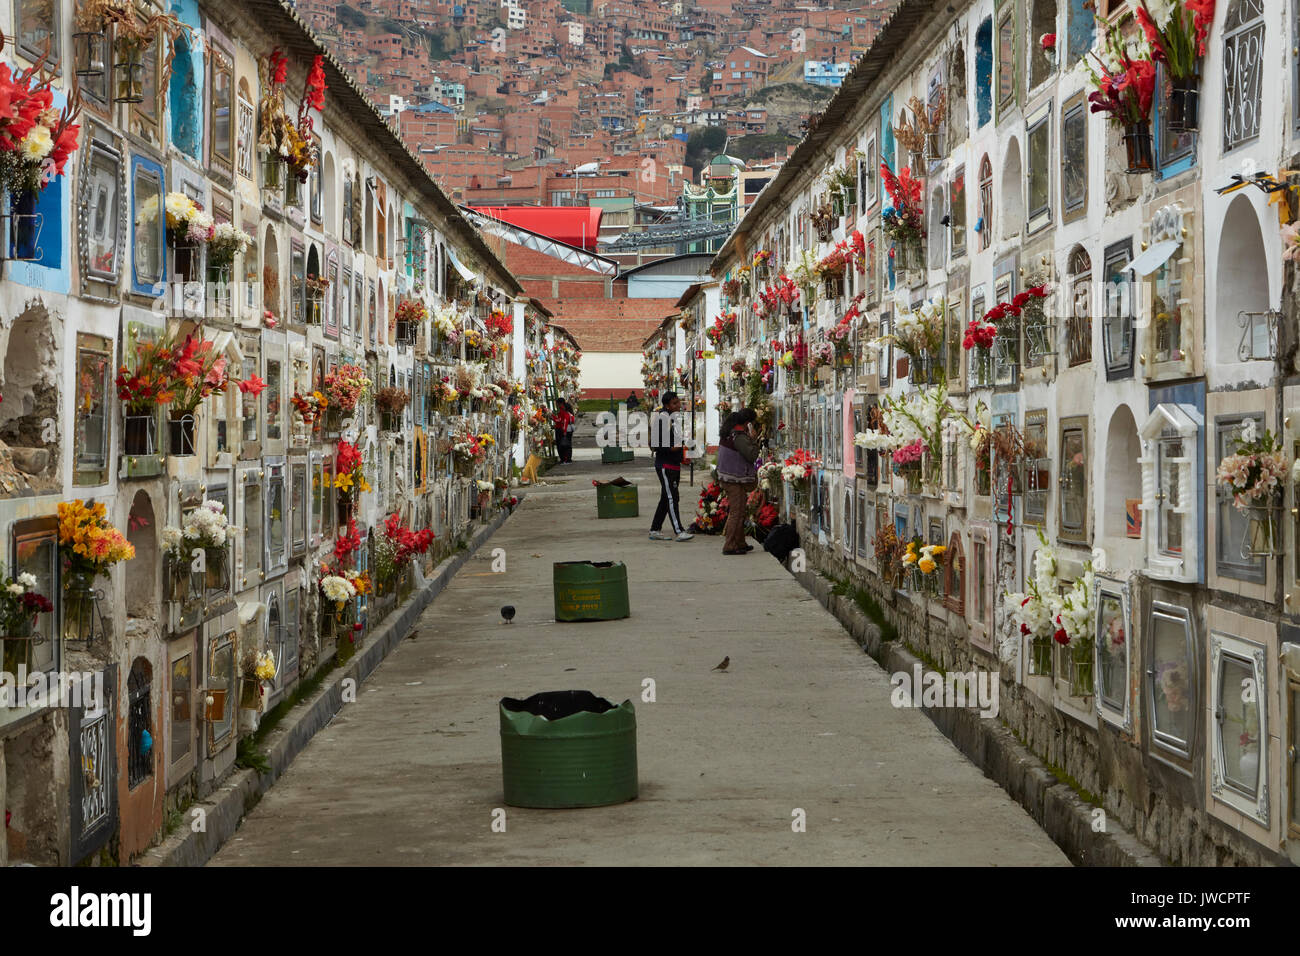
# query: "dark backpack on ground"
{"points": [[780, 541]]}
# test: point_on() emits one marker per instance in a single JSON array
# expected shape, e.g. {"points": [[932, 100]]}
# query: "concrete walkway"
{"points": [[410, 774]]}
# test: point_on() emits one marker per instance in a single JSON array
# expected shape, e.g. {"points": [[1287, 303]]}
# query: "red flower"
{"points": [[1049, 41], [279, 67], [1061, 637], [252, 385], [316, 84]]}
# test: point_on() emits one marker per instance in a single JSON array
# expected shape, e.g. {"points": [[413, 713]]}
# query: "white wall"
{"points": [[616, 370]]}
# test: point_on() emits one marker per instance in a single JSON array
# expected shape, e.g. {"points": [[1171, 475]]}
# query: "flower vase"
{"points": [[1184, 104], [1081, 669], [89, 52], [1261, 537], [128, 86], [1040, 656], [900, 258], [178, 579], [24, 226], [81, 619], [272, 165], [138, 435], [214, 569], [187, 256], [915, 254], [913, 478], [18, 646], [1137, 143]]}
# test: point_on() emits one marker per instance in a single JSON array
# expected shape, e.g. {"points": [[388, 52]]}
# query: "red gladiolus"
{"points": [[1061, 637], [279, 67], [316, 84], [252, 386]]}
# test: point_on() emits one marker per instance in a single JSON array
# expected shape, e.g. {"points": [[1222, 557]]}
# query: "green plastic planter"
{"points": [[611, 455], [584, 759], [617, 501], [590, 590]]}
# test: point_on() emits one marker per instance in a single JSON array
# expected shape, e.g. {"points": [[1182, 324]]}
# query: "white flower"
{"points": [[338, 589], [27, 580], [16, 588], [37, 144]]}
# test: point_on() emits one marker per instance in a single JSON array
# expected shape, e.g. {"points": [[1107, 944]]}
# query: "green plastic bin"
{"points": [[613, 455], [617, 501], [585, 758], [590, 590]]}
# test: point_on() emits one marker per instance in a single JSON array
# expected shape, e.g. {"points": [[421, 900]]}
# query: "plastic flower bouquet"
{"points": [[227, 241], [35, 138], [20, 603], [346, 386], [1254, 473], [186, 220], [88, 544]]}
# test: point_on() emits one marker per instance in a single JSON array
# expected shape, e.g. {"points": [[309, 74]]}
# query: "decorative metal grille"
{"points": [[95, 773], [1258, 335], [1243, 47], [139, 752]]}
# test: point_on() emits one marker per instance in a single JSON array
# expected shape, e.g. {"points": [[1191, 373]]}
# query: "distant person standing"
{"points": [[563, 420], [737, 452], [633, 403], [669, 446]]}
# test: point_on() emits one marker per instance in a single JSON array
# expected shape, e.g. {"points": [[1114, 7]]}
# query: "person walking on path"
{"points": [[563, 422], [737, 452], [668, 443]]}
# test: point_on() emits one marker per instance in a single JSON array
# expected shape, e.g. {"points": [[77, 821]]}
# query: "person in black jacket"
{"points": [[669, 446]]}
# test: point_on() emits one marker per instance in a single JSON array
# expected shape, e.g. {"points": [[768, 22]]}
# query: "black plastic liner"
{"points": [[557, 704], [780, 541]]}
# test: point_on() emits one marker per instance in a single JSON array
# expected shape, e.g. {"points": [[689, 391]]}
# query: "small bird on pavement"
{"points": [[723, 666], [508, 612]]}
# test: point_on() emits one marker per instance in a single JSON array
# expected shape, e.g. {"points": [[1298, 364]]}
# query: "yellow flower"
{"points": [[926, 565], [910, 557], [364, 485], [344, 481]]}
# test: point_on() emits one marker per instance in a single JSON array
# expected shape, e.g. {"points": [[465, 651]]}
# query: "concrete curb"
{"points": [[1054, 806], [226, 806]]}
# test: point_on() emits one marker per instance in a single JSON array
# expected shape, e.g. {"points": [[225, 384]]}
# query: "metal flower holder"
{"points": [[180, 434], [89, 52], [129, 79]]}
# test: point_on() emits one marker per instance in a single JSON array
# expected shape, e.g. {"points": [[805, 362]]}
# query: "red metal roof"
{"points": [[574, 225]]}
